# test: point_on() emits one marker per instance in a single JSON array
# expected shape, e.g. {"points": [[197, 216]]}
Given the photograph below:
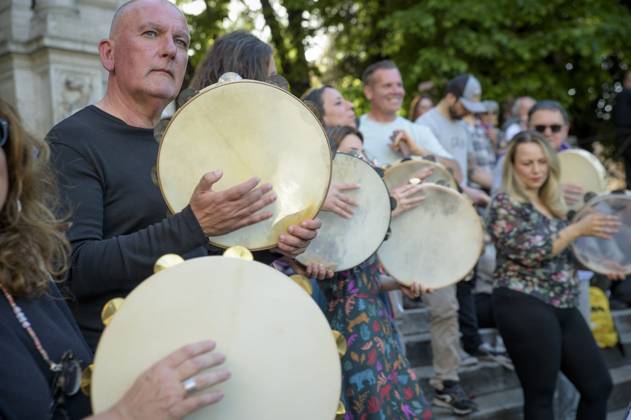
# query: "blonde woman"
{"points": [[536, 292]]}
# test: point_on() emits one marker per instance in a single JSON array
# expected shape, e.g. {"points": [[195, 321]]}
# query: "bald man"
{"points": [[105, 154]]}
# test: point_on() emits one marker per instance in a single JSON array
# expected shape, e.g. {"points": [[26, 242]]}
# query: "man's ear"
{"points": [[368, 92], [106, 54]]}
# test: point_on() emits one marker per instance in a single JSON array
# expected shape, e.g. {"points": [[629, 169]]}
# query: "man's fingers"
{"points": [[188, 351], [208, 180], [346, 186], [237, 191], [347, 200], [195, 402], [198, 363]]}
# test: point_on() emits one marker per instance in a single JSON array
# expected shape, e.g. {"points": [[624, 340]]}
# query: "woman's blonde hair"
{"points": [[549, 192], [32, 242]]}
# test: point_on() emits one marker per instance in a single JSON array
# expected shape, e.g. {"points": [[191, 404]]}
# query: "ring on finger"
{"points": [[190, 386]]}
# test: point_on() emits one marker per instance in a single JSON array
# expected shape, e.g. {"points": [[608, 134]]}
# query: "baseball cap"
{"points": [[468, 90]]}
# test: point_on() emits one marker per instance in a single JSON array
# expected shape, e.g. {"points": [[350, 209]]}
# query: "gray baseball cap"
{"points": [[468, 90]]}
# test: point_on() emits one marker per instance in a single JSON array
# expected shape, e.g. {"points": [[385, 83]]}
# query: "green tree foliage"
{"points": [[569, 50]]}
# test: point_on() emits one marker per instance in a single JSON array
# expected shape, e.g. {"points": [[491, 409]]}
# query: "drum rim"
{"points": [[220, 85], [594, 161], [385, 187], [595, 200], [412, 159], [479, 223]]}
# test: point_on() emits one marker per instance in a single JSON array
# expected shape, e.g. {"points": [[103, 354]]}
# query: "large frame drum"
{"points": [[437, 243], [278, 343], [248, 128], [403, 170], [345, 243], [607, 256]]}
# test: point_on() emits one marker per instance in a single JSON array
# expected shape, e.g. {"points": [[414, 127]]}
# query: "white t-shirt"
{"points": [[452, 135], [377, 139]]}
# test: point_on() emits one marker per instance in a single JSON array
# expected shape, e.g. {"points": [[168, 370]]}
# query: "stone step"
{"points": [[481, 379], [415, 321], [507, 404]]}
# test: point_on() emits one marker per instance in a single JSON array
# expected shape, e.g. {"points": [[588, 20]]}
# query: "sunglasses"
{"points": [[4, 131], [555, 128], [66, 382]]}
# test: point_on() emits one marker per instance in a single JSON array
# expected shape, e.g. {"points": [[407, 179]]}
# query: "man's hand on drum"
{"points": [[407, 197], [572, 194], [338, 202], [400, 141], [423, 174], [414, 290], [598, 224], [167, 390], [319, 271], [220, 212], [298, 237], [476, 195]]}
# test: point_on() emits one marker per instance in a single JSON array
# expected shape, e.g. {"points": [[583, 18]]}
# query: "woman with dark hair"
{"points": [[42, 349], [536, 291], [358, 306], [238, 52], [419, 105]]}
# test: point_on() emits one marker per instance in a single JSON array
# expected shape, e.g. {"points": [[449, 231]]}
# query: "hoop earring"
{"points": [[18, 206]]}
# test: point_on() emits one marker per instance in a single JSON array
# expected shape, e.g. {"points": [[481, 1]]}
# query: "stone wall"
{"points": [[49, 63]]}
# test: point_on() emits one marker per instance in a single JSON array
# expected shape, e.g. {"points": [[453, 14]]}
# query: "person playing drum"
{"points": [[536, 292], [105, 154], [39, 339]]}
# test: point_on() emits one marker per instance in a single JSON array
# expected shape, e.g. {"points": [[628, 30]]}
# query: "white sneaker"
{"points": [[466, 359]]}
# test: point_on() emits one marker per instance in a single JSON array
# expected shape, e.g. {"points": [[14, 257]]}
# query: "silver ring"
{"points": [[190, 385]]}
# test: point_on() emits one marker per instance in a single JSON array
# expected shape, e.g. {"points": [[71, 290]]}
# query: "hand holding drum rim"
{"points": [[598, 224], [400, 141], [167, 390], [572, 194], [220, 212], [414, 290], [297, 238], [338, 202]]}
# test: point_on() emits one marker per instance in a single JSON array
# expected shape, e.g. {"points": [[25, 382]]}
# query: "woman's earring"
{"points": [[18, 205]]}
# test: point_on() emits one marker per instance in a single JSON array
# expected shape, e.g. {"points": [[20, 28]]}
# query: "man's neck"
{"points": [[380, 117], [443, 109], [133, 113]]}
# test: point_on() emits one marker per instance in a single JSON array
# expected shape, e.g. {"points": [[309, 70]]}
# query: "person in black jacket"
{"points": [[105, 153]]}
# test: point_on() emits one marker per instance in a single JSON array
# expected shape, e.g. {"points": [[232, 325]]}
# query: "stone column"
{"points": [[49, 63]]}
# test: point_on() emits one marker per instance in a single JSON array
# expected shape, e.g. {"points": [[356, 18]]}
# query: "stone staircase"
{"points": [[495, 388]]}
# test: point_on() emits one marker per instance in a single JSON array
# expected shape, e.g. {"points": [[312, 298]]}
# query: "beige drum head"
{"points": [[344, 243], [581, 168], [278, 344], [248, 128], [403, 170], [607, 256], [437, 243]]}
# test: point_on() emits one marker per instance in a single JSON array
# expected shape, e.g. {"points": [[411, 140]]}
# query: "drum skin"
{"points": [[401, 172], [607, 256], [345, 243], [437, 243], [278, 344], [248, 128], [579, 167]]}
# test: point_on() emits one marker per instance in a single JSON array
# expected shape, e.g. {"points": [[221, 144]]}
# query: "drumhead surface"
{"points": [[579, 167], [278, 344], [248, 128], [401, 172], [437, 243], [345, 243], [607, 255]]}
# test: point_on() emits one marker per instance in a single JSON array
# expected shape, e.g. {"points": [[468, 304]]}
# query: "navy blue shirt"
{"points": [[25, 377]]}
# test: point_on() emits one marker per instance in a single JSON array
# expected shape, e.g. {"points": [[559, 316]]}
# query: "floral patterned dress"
{"points": [[523, 238], [378, 382]]}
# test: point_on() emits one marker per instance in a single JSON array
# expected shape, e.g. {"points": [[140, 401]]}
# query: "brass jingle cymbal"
{"points": [[238, 251], [340, 341], [341, 410], [86, 379], [166, 261], [110, 309], [303, 282]]}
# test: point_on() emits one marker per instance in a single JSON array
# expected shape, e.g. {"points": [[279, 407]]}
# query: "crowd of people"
{"points": [[63, 256]]}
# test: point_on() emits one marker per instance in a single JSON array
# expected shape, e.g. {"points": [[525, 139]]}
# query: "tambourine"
{"points": [[579, 167], [344, 243], [278, 344], [401, 171], [607, 256], [248, 128], [436, 243]]}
